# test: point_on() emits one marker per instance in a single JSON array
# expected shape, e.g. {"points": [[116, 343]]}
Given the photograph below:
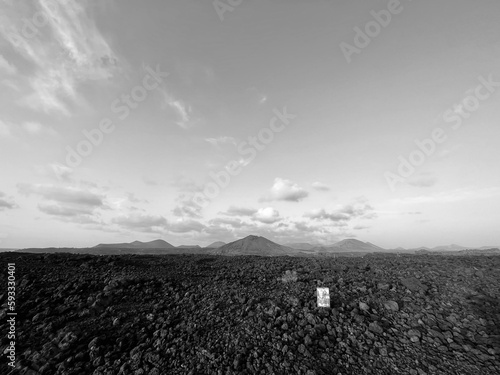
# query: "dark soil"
{"points": [[195, 314]]}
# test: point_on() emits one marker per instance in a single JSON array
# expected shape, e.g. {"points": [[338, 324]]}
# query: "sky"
{"points": [[199, 121]]}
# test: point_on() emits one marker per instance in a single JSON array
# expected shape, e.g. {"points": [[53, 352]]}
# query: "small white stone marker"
{"points": [[323, 297]]}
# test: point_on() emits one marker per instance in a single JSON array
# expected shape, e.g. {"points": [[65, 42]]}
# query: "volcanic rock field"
{"points": [[206, 314]]}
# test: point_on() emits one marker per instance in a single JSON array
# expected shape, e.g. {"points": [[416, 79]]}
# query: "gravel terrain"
{"points": [[197, 314]]}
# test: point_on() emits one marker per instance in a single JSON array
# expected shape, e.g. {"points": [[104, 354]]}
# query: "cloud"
{"points": [[30, 128], [360, 227], [187, 208], [239, 211], [67, 51], [183, 111], [320, 186], [36, 129], [184, 226], [309, 228], [285, 190], [422, 180], [286, 232], [222, 221], [359, 209], [228, 229], [216, 142], [57, 171], [267, 215], [133, 199], [323, 215], [65, 210], [7, 203], [141, 222], [66, 203], [186, 184], [126, 202], [7, 67], [303, 227], [451, 196], [63, 194]]}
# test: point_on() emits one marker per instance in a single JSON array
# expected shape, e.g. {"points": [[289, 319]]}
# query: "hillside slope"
{"points": [[254, 245]]}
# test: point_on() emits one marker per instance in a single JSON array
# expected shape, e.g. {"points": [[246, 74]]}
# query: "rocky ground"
{"points": [[180, 314]]}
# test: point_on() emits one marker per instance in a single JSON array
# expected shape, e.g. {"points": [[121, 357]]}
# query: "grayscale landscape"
{"points": [[249, 187]]}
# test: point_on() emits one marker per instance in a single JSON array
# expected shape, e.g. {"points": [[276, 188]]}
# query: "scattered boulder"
{"points": [[391, 305], [413, 284], [363, 306]]}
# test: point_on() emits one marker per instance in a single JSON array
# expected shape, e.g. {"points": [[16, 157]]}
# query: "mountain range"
{"points": [[257, 245], [156, 244]]}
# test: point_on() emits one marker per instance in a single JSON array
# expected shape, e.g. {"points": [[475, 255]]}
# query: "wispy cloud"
{"points": [[320, 186], [67, 51], [182, 110], [36, 129], [257, 95], [7, 67], [456, 195]]}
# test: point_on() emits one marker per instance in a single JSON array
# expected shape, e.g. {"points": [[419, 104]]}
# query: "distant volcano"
{"points": [[156, 244], [253, 245], [350, 245]]}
